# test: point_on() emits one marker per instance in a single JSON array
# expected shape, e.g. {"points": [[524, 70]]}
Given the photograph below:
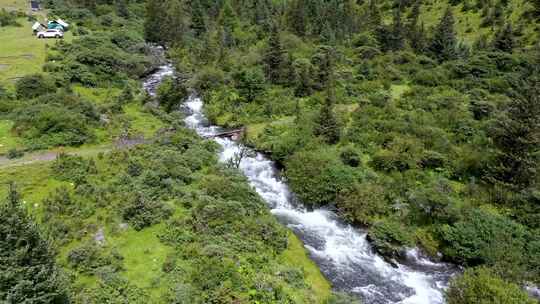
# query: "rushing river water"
{"points": [[340, 250]]}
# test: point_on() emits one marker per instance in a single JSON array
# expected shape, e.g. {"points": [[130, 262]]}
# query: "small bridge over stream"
{"points": [[233, 134]]}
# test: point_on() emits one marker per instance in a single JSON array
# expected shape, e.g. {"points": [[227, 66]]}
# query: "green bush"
{"points": [[73, 168], [89, 257], [390, 238], [482, 238], [14, 153], [35, 85], [363, 203], [321, 168], [141, 211], [171, 93], [482, 286], [8, 18]]}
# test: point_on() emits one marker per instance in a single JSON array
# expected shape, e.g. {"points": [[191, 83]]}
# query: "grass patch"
{"points": [[296, 256], [397, 90], [143, 256], [142, 122], [21, 52], [96, 95], [33, 182], [7, 139]]}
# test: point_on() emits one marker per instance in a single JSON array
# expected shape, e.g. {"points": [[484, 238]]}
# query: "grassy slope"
{"points": [[296, 255], [468, 23], [142, 251], [21, 53]]}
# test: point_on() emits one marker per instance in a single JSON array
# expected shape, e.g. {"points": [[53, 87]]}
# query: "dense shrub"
{"points": [[73, 168], [56, 119], [8, 18], [141, 211], [89, 257], [390, 238], [363, 203], [171, 93], [482, 286], [322, 168], [483, 238], [34, 85]]}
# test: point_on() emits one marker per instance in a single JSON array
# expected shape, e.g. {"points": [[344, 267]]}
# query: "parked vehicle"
{"points": [[51, 33]]}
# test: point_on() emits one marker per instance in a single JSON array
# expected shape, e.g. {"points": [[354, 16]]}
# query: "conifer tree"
{"points": [[396, 39], [297, 17], [303, 74], [516, 133], [152, 23], [443, 43], [374, 14], [198, 23], [327, 125], [504, 39], [274, 57], [323, 61], [122, 8], [27, 264], [418, 39]]}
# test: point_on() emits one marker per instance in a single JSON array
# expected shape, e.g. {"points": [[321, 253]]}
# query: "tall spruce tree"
{"points": [[122, 8], [274, 57], [418, 39], [327, 125], [198, 23], [504, 39], [152, 21], [397, 39], [28, 273], [443, 43], [374, 15], [516, 133]]}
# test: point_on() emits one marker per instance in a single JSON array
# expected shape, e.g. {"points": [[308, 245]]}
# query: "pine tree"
{"points": [[396, 39], [481, 43], [198, 23], [374, 15], [327, 125], [504, 39], [418, 39], [323, 61], [516, 133], [228, 21], [297, 17], [412, 23], [443, 43], [122, 8], [27, 264], [274, 57], [152, 23], [303, 73]]}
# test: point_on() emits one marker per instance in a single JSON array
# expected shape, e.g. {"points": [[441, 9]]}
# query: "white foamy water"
{"points": [[341, 251]]}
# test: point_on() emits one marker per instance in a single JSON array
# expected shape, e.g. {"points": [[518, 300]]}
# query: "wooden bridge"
{"points": [[233, 134]]}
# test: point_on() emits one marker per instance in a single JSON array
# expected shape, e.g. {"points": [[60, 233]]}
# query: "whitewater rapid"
{"points": [[341, 251]]}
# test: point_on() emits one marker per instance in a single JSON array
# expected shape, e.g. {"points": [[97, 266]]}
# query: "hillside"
{"points": [[407, 131], [122, 223], [417, 120]]}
